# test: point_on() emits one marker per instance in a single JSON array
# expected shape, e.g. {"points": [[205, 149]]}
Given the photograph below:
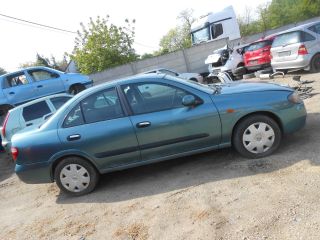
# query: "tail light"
{"points": [[5, 125], [14, 153], [302, 50]]}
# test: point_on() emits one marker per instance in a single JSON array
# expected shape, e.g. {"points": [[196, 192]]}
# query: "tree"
{"points": [[43, 61], [102, 45], [178, 37], [2, 71]]}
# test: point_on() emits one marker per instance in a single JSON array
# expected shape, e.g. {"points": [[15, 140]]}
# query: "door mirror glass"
{"points": [[189, 100]]}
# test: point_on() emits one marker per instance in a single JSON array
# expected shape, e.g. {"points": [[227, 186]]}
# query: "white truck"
{"points": [[215, 26]]}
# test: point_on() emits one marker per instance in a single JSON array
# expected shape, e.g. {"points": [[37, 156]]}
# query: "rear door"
{"points": [[46, 82], [34, 114], [164, 127], [98, 127], [18, 88]]}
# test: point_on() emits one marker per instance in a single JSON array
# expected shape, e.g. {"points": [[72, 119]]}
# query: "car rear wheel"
{"points": [[75, 89], [76, 176], [315, 64], [257, 136]]}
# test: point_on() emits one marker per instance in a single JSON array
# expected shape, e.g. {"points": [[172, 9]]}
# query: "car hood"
{"points": [[250, 86]]}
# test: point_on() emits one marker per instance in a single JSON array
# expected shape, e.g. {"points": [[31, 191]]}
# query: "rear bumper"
{"points": [[258, 67], [34, 173], [302, 62]]}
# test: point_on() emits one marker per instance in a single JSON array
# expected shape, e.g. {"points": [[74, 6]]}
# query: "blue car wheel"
{"points": [[257, 136], [76, 176]]}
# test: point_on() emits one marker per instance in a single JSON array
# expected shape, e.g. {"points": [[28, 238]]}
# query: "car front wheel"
{"points": [[76, 176], [257, 136]]}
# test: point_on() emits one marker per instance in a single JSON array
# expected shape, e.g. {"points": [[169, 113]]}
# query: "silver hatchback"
{"points": [[297, 48]]}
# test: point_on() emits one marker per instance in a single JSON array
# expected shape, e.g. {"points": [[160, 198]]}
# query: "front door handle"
{"points": [[29, 124], [73, 137], [39, 86], [143, 124], [11, 93]]}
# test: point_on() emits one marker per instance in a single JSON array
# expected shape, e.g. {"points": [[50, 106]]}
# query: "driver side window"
{"points": [[153, 97]]}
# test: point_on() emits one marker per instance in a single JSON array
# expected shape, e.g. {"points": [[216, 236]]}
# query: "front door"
{"points": [[164, 127], [46, 82]]}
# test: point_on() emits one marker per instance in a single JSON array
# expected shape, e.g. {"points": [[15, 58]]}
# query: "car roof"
{"points": [[28, 69], [297, 28], [40, 99]]}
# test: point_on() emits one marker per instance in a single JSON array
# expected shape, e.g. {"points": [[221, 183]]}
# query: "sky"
{"points": [[20, 42]]}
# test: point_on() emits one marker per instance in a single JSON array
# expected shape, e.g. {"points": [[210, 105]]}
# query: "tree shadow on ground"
{"points": [[199, 169]]}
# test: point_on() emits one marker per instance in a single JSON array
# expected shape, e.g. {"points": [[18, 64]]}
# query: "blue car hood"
{"points": [[246, 86]]}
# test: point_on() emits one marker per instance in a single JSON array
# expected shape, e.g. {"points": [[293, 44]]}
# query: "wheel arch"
{"points": [[60, 158], [272, 115]]}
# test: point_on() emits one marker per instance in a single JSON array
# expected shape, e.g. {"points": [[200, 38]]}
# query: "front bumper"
{"points": [[6, 145], [34, 173], [294, 118]]}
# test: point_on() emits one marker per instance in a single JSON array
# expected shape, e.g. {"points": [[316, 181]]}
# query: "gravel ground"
{"points": [[217, 195]]}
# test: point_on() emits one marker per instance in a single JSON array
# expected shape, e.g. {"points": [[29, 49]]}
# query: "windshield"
{"points": [[201, 35], [286, 39]]}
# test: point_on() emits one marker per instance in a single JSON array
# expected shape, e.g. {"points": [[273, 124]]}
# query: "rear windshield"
{"points": [[287, 39], [258, 45]]}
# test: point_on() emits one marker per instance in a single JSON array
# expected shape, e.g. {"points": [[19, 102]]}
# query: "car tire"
{"points": [[239, 71], [76, 176], [315, 64], [248, 76], [256, 136], [75, 89]]}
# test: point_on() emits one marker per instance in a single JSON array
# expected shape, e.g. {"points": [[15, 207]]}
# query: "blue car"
{"points": [[31, 83], [151, 118]]}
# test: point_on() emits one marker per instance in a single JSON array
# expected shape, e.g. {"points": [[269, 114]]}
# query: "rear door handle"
{"points": [[11, 93], [29, 124], [143, 124], [39, 86], [73, 137]]}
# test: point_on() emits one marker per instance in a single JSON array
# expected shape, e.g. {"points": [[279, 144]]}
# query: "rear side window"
{"points": [[16, 80], [35, 111], [287, 39], [74, 118], [307, 37], [102, 106], [258, 45], [315, 28], [59, 101]]}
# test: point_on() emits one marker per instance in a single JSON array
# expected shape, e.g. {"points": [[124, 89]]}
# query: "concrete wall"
{"points": [[186, 60]]}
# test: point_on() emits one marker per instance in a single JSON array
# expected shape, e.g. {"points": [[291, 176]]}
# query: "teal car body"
{"points": [[137, 136]]}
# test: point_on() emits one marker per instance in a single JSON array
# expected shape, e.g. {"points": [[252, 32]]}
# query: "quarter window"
{"points": [[74, 118], [35, 111], [59, 101], [153, 97], [315, 28]]}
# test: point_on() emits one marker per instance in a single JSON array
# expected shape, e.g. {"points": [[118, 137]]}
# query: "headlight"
{"points": [[294, 98]]}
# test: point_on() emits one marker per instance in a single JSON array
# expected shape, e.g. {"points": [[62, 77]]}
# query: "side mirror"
{"points": [[189, 100]]}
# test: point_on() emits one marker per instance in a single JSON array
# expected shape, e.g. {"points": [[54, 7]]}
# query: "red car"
{"points": [[257, 55]]}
